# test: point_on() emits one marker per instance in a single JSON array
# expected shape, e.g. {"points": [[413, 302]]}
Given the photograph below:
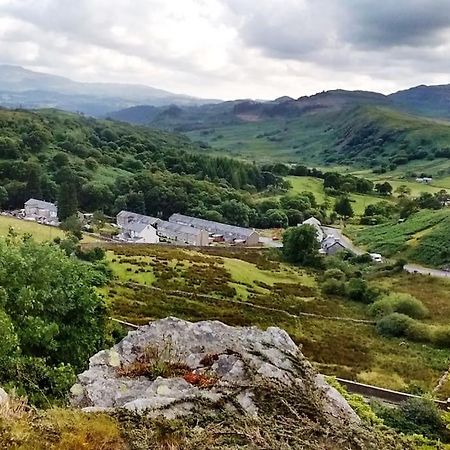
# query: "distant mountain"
{"points": [[431, 101], [188, 118], [20, 87]]}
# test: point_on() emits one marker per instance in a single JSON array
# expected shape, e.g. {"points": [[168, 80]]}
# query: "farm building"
{"points": [[141, 228], [317, 225], [331, 245], [41, 211], [139, 232], [229, 233], [182, 234], [126, 217]]}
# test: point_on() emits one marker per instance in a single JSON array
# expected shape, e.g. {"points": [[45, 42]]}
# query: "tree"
{"points": [[275, 218], [73, 225], [343, 207], [67, 201], [3, 196], [51, 318], [300, 245], [403, 190], [384, 188], [34, 184]]}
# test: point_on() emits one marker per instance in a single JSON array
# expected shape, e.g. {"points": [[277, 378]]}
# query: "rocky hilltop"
{"points": [[171, 365], [229, 387]]}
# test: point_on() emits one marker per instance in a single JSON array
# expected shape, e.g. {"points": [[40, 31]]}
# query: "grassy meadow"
{"points": [[315, 185], [251, 287], [40, 233]]}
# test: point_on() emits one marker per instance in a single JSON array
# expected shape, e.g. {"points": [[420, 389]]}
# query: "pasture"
{"points": [[252, 287], [39, 232]]}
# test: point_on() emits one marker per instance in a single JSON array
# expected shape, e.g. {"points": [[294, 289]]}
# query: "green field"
{"points": [[249, 287], [39, 232], [315, 185], [424, 237]]}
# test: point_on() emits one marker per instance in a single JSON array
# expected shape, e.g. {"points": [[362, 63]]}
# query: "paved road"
{"points": [[411, 268], [414, 268]]}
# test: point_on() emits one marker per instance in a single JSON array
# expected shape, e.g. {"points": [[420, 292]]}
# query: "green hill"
{"points": [[424, 237], [109, 166], [367, 136]]}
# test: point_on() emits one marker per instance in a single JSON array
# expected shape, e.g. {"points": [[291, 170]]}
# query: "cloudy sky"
{"points": [[233, 48]]}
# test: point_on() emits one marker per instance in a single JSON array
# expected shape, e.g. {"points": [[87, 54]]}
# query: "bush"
{"points": [[394, 325], [333, 287], [400, 303], [335, 274], [360, 291], [441, 337], [416, 416]]}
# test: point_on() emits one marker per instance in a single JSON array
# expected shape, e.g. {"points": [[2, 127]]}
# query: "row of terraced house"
{"points": [[181, 229]]}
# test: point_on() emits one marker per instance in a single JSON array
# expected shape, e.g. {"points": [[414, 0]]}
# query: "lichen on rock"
{"points": [[173, 367]]}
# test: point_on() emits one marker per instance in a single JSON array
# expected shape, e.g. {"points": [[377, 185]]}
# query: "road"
{"points": [[414, 268], [411, 268]]}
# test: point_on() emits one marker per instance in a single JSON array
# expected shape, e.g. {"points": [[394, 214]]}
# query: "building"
{"points": [[150, 230], [126, 217], [331, 245], [229, 233], [41, 211], [426, 180], [140, 233], [317, 225], [182, 234]]}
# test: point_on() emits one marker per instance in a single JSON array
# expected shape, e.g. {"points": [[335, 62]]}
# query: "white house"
{"points": [[317, 225], [140, 233], [41, 211], [426, 180]]}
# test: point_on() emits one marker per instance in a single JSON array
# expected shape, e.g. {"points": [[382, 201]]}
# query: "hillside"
{"points": [[424, 237], [101, 165], [362, 129], [432, 101], [20, 87]]}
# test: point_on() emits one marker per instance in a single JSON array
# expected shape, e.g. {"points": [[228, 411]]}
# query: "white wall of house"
{"points": [[146, 236]]}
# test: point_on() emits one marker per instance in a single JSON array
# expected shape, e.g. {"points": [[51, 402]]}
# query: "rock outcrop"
{"points": [[171, 367]]}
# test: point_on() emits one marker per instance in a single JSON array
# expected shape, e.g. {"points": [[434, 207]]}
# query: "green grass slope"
{"points": [[370, 136], [424, 237]]}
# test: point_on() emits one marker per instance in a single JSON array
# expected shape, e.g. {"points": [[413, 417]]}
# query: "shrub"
{"points": [[400, 303], [419, 332], [441, 337], [394, 325], [333, 287], [416, 416], [335, 274], [360, 291]]}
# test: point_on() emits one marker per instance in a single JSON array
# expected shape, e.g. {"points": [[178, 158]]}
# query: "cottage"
{"points": [[230, 233], [331, 245], [182, 234], [426, 180], [146, 229], [317, 225], [126, 217], [41, 211], [140, 233]]}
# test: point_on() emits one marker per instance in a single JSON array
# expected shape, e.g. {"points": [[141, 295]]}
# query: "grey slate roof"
{"points": [[137, 227], [41, 204], [163, 225], [211, 226], [134, 217]]}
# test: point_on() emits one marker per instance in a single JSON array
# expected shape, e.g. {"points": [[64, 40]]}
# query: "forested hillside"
{"points": [[337, 128], [101, 165]]}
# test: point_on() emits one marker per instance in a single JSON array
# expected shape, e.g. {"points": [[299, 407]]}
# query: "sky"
{"points": [[230, 49]]}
